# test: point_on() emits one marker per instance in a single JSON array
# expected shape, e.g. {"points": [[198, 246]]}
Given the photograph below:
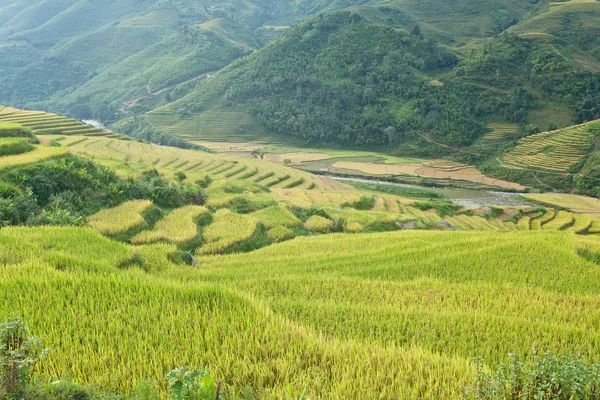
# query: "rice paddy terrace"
{"points": [[292, 283], [215, 126], [555, 151], [47, 123], [391, 315]]}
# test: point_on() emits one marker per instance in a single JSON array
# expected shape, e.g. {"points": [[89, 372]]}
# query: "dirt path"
{"points": [[131, 103]]}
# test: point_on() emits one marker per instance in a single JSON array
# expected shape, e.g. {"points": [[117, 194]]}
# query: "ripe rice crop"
{"points": [[554, 151], [117, 220], [316, 223], [280, 233], [394, 315], [276, 216], [11, 129], [581, 223], [177, 227], [536, 223], [11, 146], [561, 220], [524, 224], [40, 153], [227, 229]]}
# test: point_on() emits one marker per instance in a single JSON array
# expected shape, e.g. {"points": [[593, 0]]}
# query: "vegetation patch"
{"points": [[120, 219], [177, 227], [227, 229]]}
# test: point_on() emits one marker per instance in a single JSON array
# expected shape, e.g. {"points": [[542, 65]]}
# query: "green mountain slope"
{"points": [[132, 48]]}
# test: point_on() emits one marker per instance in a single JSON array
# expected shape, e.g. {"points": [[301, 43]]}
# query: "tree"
{"points": [[416, 31], [390, 133], [287, 162]]}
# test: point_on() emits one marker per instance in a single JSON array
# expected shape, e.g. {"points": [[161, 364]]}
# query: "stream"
{"points": [[463, 197]]}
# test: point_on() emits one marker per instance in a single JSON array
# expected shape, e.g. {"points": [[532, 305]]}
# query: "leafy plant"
{"points": [[19, 353], [192, 384], [546, 376]]}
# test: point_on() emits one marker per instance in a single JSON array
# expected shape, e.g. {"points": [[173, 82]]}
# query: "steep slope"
{"points": [[133, 49], [340, 78]]}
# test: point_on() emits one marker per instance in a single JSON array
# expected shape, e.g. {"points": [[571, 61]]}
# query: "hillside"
{"points": [[351, 79]]}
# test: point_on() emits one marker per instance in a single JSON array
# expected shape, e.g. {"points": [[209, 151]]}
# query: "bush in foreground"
{"points": [[545, 377]]}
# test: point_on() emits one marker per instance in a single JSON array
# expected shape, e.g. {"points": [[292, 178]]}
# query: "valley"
{"points": [[308, 199]]}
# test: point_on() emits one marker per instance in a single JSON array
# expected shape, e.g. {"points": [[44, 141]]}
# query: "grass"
{"points": [[118, 220], [177, 227]]}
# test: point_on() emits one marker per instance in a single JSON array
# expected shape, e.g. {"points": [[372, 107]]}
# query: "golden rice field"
{"points": [[500, 130], [391, 315], [177, 227], [437, 169], [39, 153], [47, 123], [227, 229], [576, 203], [554, 151], [192, 163], [117, 220]]}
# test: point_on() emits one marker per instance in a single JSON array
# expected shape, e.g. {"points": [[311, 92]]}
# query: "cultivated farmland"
{"points": [[554, 151], [47, 123], [395, 314]]}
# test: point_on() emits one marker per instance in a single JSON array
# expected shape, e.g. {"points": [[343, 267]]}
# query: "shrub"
{"points": [[364, 204], [546, 376], [191, 384], [19, 353]]}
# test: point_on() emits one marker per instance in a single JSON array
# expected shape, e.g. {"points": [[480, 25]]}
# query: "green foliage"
{"points": [[334, 79], [19, 353], [365, 203], [191, 384], [304, 214], [63, 191], [546, 376]]}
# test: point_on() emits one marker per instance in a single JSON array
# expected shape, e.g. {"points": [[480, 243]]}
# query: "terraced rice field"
{"points": [[554, 151], [217, 126], [177, 227], [390, 315], [580, 204], [40, 153], [437, 169], [117, 220], [195, 163], [499, 131], [47, 123]]}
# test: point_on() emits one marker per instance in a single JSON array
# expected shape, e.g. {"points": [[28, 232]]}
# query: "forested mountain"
{"points": [[344, 77], [379, 73]]}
